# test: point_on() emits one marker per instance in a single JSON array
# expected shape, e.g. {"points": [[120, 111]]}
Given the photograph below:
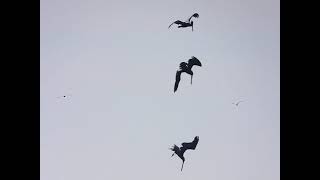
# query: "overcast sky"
{"points": [[117, 59]]}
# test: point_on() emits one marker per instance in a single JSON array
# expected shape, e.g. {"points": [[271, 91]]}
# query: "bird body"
{"points": [[185, 146], [186, 68]]}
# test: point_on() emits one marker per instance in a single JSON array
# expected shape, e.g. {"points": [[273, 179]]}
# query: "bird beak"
{"points": [[191, 79], [182, 165]]}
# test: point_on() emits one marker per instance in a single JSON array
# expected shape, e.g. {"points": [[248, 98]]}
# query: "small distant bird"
{"points": [[185, 146], [237, 103], [183, 24], [186, 67], [64, 96]]}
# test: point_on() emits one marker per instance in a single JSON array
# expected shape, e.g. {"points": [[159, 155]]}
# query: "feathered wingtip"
{"points": [[194, 58], [196, 61], [196, 139]]}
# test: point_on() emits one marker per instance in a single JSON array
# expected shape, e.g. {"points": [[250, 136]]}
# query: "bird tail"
{"points": [[191, 79]]}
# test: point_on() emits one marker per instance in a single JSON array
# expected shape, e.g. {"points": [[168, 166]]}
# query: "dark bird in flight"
{"points": [[237, 103], [64, 96], [186, 67], [183, 24], [185, 146]]}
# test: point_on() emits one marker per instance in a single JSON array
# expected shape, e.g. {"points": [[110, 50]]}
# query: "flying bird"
{"points": [[183, 24], [186, 67], [64, 96], [237, 103], [185, 146]]}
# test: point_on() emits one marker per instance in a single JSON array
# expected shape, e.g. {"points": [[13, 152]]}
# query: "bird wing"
{"points": [[239, 102], [176, 22], [178, 77], [194, 61], [191, 145], [196, 15], [183, 66]]}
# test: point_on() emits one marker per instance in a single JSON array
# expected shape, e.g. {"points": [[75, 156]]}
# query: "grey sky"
{"points": [[118, 60]]}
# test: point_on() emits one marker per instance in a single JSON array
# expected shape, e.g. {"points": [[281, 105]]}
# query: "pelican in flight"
{"points": [[186, 67], [185, 146], [183, 24]]}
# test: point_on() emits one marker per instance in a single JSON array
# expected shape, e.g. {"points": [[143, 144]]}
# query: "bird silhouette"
{"points": [[183, 24], [237, 103], [64, 96], [185, 146], [186, 67]]}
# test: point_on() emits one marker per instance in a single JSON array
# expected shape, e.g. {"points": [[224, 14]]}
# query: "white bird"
{"points": [[237, 103]]}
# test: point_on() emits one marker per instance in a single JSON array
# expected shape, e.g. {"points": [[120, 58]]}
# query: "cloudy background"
{"points": [[117, 59]]}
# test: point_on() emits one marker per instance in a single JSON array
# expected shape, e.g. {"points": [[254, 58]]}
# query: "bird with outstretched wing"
{"points": [[186, 67], [187, 23], [185, 146]]}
